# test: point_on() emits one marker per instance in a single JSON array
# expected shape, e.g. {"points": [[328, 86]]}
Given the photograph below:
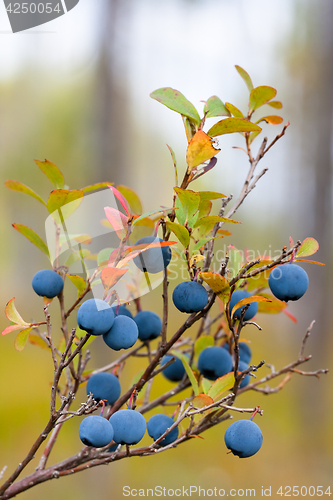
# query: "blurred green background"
{"points": [[79, 96]]}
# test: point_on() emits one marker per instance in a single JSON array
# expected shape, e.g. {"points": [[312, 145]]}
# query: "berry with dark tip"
{"points": [[244, 438], [174, 372], [158, 424], [123, 334], [105, 387], [95, 431], [240, 295], [288, 282], [95, 316], [122, 311], [214, 362], [154, 259], [190, 296], [129, 426], [47, 283], [149, 325]]}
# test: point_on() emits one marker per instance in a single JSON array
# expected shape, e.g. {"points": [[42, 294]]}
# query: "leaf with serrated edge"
{"points": [[219, 284], [215, 107], [32, 236], [200, 149], [12, 313], [52, 172], [260, 96], [221, 385], [232, 125], [22, 339], [181, 232], [188, 370], [22, 188], [308, 247], [202, 343], [245, 76], [249, 300], [176, 101]]}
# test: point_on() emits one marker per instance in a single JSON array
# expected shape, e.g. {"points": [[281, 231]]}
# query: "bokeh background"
{"points": [[76, 91]]}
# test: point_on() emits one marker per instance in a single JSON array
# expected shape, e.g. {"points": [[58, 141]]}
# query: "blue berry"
{"points": [[155, 259], [104, 386], [240, 295], [149, 325], [214, 362], [158, 424], [244, 438], [47, 283], [176, 371], [288, 282], [189, 297], [245, 352], [95, 317], [129, 426], [95, 431], [123, 334], [122, 311], [241, 367]]}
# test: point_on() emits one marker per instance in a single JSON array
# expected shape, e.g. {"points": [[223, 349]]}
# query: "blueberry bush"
{"points": [[207, 360]]}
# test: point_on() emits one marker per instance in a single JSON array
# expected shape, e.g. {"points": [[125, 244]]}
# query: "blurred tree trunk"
{"points": [[111, 93]]}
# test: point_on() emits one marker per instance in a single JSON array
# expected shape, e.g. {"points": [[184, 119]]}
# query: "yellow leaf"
{"points": [[200, 149], [218, 284]]}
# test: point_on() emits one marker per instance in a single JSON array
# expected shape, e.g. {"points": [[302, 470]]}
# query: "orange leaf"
{"points": [[111, 275], [117, 220], [200, 149], [248, 300], [291, 316], [202, 400], [11, 328]]}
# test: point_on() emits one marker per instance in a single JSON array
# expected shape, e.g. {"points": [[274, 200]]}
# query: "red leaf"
{"points": [[121, 198], [117, 220], [111, 275]]}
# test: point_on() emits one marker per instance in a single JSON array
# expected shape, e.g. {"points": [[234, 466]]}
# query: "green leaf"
{"points": [[202, 343], [206, 385], [308, 247], [190, 201], [79, 282], [148, 214], [74, 257], [181, 232], [275, 104], [213, 219], [32, 236], [261, 95], [203, 242], [219, 284], [21, 188], [52, 172], [233, 110], [176, 101], [232, 125], [272, 120], [103, 256], [275, 306], [252, 136], [205, 208], [210, 195], [188, 370], [95, 187], [22, 339], [132, 199], [215, 107], [173, 156], [64, 201], [221, 385], [245, 76]]}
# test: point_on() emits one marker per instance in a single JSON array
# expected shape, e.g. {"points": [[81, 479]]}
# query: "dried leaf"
{"points": [[200, 149]]}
